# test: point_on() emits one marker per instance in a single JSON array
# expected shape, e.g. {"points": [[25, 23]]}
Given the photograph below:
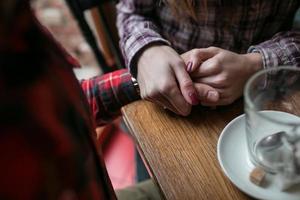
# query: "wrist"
{"points": [[148, 51], [254, 62], [143, 56]]}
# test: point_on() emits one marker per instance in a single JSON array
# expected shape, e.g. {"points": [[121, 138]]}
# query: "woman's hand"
{"points": [[163, 79], [206, 93], [223, 70]]}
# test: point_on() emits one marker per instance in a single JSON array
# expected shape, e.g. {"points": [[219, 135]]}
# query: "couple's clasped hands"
{"points": [[208, 76]]}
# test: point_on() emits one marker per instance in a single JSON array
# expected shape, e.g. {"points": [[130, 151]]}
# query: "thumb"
{"points": [[210, 65], [206, 93]]}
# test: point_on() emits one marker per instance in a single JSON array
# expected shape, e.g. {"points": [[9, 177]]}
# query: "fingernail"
{"points": [[213, 95], [189, 66], [194, 98]]}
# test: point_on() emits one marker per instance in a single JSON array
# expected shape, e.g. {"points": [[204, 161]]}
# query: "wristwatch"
{"points": [[135, 85]]}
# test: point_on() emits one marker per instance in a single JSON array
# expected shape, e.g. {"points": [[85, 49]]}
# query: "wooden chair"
{"points": [[103, 14]]}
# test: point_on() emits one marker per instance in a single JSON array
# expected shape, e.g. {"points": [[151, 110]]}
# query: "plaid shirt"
{"points": [[47, 135], [255, 26], [108, 93]]}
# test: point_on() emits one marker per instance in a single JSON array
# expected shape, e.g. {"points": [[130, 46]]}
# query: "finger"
{"points": [[206, 58], [213, 103], [193, 65], [225, 98], [209, 67], [189, 66], [195, 58], [207, 93], [204, 53], [170, 92], [186, 85], [175, 98], [215, 81]]}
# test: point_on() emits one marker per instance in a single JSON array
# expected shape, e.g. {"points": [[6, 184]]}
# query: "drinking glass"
{"points": [[272, 107]]}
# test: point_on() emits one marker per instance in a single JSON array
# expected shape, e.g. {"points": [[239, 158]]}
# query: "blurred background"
{"points": [[116, 144]]}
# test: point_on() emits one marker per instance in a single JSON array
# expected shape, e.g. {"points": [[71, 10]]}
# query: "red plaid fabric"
{"points": [[47, 134], [106, 94]]}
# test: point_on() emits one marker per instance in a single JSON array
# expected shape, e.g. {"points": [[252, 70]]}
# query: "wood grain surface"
{"points": [[181, 152]]}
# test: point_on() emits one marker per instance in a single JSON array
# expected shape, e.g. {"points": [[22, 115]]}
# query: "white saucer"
{"points": [[234, 160]]}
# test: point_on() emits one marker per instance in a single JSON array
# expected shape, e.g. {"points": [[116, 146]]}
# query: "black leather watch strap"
{"points": [[135, 85]]}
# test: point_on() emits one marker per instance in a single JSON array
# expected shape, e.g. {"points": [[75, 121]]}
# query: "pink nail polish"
{"points": [[194, 98], [189, 66]]}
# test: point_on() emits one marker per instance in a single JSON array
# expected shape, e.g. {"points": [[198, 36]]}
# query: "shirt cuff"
{"points": [[273, 54], [134, 45]]}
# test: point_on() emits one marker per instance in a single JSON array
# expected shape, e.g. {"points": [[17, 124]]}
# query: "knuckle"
{"points": [[213, 48], [195, 52], [202, 93], [178, 62], [186, 84], [195, 56]]}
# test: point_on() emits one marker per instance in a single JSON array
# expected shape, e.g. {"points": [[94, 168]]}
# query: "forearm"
{"points": [[136, 29], [106, 94], [282, 49]]}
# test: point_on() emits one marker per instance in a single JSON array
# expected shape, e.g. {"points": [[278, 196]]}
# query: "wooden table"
{"points": [[181, 152]]}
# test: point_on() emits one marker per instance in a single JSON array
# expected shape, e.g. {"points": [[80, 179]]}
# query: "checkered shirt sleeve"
{"points": [[282, 49], [106, 94], [136, 28]]}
